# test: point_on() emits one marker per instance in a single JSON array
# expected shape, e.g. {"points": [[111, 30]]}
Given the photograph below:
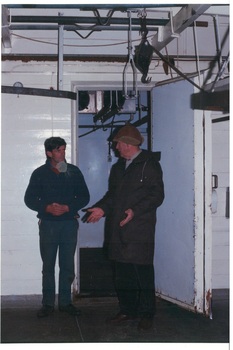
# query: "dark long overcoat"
{"points": [[140, 188]]}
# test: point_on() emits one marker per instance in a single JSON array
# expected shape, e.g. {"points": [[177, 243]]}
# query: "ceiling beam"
{"points": [[177, 24], [211, 101], [90, 7], [38, 92]]}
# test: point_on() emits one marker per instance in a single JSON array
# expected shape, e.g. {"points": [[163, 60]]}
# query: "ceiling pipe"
{"points": [[75, 27], [82, 20], [95, 58], [217, 40], [60, 56]]}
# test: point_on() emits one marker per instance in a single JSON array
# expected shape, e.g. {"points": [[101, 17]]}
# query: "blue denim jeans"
{"points": [[135, 289], [61, 237]]}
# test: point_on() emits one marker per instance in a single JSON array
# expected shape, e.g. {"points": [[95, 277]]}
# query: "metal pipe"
{"points": [[82, 20], [99, 58], [72, 27], [218, 48], [130, 62], [212, 65], [196, 51], [142, 121], [220, 72], [60, 57]]}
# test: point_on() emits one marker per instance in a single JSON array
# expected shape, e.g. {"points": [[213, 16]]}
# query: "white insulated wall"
{"points": [[26, 121]]}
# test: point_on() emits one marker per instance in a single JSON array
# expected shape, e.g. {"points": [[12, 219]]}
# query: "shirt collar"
{"points": [[129, 161]]}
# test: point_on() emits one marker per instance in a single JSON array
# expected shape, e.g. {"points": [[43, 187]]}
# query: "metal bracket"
{"points": [[174, 35]]}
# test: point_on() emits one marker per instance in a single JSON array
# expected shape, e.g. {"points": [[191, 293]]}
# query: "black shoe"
{"points": [[145, 323], [45, 311], [119, 318], [70, 309]]}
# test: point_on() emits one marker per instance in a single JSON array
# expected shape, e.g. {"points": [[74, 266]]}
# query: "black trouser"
{"points": [[135, 289]]}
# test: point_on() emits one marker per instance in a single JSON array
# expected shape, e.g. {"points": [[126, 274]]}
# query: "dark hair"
{"points": [[53, 142]]}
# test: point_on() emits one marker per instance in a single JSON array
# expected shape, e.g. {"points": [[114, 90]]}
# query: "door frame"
{"points": [[203, 237], [88, 86]]}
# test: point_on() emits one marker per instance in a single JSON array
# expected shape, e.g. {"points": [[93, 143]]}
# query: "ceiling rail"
{"points": [[74, 27], [82, 20], [90, 7]]}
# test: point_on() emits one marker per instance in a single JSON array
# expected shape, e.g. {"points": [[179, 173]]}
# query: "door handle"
{"points": [[214, 181]]}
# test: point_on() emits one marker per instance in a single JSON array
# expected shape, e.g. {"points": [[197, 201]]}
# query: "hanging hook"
{"points": [[143, 30], [130, 62], [143, 51]]}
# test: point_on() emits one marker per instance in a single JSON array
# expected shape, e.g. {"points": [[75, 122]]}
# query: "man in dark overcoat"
{"points": [[135, 192]]}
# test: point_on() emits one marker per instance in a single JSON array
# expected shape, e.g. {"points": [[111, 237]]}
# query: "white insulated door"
{"points": [[183, 232]]}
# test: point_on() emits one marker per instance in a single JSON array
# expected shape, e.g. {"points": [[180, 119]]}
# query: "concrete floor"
{"points": [[172, 324]]}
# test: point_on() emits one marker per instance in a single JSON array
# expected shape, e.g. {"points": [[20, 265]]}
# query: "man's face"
{"points": [[57, 155], [123, 149]]}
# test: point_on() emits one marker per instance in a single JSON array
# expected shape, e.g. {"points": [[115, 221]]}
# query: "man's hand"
{"points": [[57, 209], [96, 214], [129, 216]]}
